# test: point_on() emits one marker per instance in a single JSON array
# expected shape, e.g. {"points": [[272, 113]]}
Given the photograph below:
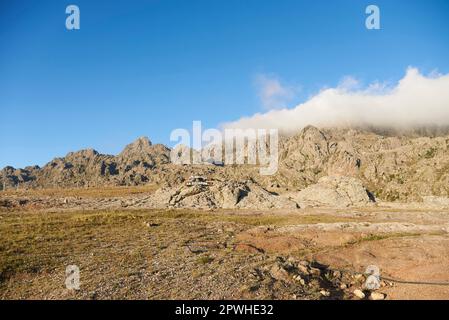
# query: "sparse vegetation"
{"points": [[117, 251], [205, 259], [378, 237], [94, 192], [148, 254], [430, 153]]}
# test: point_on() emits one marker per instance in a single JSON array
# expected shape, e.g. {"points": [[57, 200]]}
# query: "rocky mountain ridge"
{"points": [[393, 168]]}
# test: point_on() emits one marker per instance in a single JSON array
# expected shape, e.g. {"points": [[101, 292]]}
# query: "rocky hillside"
{"points": [[399, 167], [393, 167]]}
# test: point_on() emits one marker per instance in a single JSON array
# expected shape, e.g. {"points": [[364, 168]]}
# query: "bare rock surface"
{"points": [[370, 228], [436, 202], [335, 191], [221, 194]]}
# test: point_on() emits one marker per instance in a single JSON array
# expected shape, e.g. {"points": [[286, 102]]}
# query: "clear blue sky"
{"points": [[147, 67]]}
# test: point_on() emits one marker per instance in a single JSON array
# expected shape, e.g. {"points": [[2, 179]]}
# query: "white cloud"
{"points": [[416, 100], [349, 83], [272, 93]]}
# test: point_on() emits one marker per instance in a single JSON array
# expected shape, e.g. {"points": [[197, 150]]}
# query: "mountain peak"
{"points": [[142, 142]]}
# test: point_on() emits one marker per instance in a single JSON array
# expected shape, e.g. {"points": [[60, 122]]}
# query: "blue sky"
{"points": [[147, 67]]}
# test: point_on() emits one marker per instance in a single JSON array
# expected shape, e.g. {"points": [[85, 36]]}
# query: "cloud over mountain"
{"points": [[272, 93], [415, 101]]}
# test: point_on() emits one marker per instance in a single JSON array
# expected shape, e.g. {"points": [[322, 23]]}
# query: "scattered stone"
{"points": [[299, 279], [337, 274], [279, 273], [359, 277], [152, 224], [325, 293], [304, 263], [303, 269], [377, 296], [315, 271], [359, 294]]}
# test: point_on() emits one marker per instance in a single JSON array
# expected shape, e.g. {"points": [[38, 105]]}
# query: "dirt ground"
{"points": [[221, 254]]}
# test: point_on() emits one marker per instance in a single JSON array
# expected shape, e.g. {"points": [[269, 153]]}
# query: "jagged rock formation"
{"points": [[402, 167], [82, 168], [136, 162], [12, 177]]}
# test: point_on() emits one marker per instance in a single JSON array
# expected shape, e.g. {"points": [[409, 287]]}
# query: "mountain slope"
{"points": [[392, 167]]}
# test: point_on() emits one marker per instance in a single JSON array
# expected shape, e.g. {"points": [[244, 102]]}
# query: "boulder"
{"points": [[335, 191]]}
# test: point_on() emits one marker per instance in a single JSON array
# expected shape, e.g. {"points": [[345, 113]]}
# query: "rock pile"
{"points": [[321, 281]]}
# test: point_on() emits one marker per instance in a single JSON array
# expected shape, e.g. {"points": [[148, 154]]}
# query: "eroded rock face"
{"points": [[396, 166], [227, 195], [335, 191]]}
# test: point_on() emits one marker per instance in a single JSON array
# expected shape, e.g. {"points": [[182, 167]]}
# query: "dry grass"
{"points": [[110, 247], [33, 244], [135, 254], [256, 219], [103, 192], [41, 242]]}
